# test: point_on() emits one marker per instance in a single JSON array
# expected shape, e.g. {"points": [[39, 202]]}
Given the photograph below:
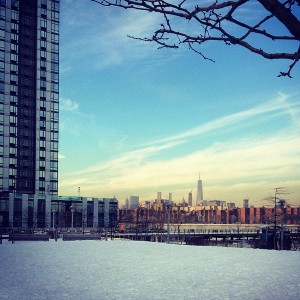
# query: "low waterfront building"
{"points": [[28, 211]]}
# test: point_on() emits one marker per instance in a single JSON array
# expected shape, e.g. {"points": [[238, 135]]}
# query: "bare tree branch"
{"points": [[224, 21]]}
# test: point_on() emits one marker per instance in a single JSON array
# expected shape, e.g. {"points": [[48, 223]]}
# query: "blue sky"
{"points": [[135, 120]]}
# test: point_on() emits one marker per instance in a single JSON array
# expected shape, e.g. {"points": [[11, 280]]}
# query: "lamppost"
{"points": [[72, 208], [168, 216], [53, 220]]}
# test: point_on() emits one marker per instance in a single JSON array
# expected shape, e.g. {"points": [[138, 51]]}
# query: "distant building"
{"points": [[127, 203], [215, 203], [230, 205], [158, 199], [134, 202], [246, 203], [190, 199], [199, 192], [87, 212]]}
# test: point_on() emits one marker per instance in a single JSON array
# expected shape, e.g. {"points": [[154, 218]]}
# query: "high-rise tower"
{"points": [[29, 95], [190, 199], [199, 192]]}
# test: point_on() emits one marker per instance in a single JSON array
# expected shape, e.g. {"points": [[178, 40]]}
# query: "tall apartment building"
{"points": [[29, 102]]}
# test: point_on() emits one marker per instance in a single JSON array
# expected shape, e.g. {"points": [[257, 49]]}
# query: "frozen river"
{"points": [[122, 269]]}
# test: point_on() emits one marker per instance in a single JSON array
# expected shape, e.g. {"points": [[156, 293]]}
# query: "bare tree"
{"points": [[184, 23], [278, 216]]}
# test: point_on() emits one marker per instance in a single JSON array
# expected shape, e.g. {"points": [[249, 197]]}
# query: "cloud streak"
{"points": [[113, 46], [277, 106]]}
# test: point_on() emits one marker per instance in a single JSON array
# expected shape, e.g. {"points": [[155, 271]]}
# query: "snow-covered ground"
{"points": [[122, 269]]}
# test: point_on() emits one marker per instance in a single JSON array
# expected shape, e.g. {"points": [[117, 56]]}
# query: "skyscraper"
{"points": [[190, 199], [29, 102], [199, 192], [134, 202]]}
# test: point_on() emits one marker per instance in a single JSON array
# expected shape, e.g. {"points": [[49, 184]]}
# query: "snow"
{"points": [[121, 269]]}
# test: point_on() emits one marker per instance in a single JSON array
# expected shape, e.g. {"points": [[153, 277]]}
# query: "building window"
{"points": [[54, 97], [54, 146], [42, 164], [54, 116], [13, 100], [43, 44], [54, 47], [14, 48], [13, 79], [44, 23], [14, 15], [43, 133], [43, 84], [54, 27], [12, 172], [14, 37], [54, 38], [43, 54], [54, 87], [54, 106], [42, 154], [2, 12], [14, 27], [43, 34], [55, 15], [42, 124], [53, 175], [13, 68], [43, 94], [43, 64], [54, 155], [42, 144], [55, 57], [54, 126], [12, 131], [54, 67]]}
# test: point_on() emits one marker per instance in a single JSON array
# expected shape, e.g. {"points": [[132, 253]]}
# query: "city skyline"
{"points": [[135, 120]]}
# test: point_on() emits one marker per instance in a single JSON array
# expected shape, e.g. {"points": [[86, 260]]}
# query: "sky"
{"points": [[136, 120]]}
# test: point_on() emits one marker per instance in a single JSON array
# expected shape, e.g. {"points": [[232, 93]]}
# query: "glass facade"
{"points": [[29, 88], [87, 212], [29, 103]]}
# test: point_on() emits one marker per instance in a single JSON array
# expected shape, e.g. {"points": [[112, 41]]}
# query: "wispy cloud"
{"points": [[237, 163], [73, 120], [278, 106], [68, 105], [112, 46], [60, 156]]}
